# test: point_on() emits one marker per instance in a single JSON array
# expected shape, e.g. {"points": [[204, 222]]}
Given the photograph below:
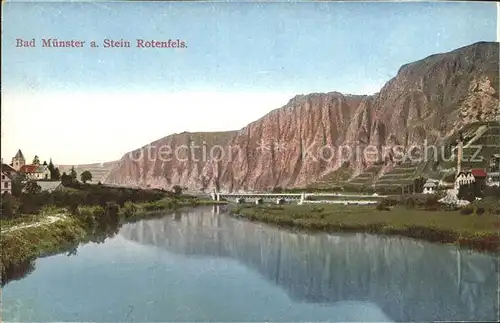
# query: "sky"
{"points": [[242, 60]]}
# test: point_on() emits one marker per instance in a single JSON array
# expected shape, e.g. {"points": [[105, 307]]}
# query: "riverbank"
{"points": [[55, 230], [479, 232]]}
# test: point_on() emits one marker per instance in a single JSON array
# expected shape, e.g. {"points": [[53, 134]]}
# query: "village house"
{"points": [[430, 186], [35, 172], [464, 178], [6, 183], [7, 169], [479, 178], [493, 178], [474, 178]]}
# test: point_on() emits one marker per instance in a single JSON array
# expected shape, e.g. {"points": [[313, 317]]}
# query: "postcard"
{"points": [[249, 161]]}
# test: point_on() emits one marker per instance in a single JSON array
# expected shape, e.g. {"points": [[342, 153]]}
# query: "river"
{"points": [[204, 265]]}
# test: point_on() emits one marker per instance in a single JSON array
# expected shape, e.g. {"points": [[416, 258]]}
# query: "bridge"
{"points": [[302, 198]]}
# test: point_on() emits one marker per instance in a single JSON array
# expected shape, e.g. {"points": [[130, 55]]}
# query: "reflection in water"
{"points": [[409, 280]]}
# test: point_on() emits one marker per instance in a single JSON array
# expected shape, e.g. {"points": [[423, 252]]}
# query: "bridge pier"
{"points": [[259, 201]]}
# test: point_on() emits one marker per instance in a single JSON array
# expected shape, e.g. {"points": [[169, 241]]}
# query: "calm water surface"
{"points": [[202, 265]]}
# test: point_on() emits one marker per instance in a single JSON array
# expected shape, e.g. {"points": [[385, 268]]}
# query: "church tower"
{"points": [[18, 161]]}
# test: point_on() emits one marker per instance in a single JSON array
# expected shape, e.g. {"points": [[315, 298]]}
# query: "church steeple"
{"points": [[18, 161]]}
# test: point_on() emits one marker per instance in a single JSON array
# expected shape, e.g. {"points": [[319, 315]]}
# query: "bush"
{"points": [[491, 191], [390, 201], [381, 206], [128, 209], [490, 204], [480, 211], [7, 206], [90, 215], [112, 210], [467, 210], [177, 190]]}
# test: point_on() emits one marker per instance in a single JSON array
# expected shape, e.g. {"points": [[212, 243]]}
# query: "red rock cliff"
{"points": [[294, 145]]}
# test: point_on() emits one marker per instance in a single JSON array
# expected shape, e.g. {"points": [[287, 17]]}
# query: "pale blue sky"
{"points": [[242, 60]]}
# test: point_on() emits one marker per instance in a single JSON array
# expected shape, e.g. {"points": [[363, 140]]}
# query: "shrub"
{"points": [[490, 204], [128, 209], [467, 210], [7, 206], [177, 190], [390, 201], [90, 215], [480, 211], [492, 191], [381, 206], [112, 209]]}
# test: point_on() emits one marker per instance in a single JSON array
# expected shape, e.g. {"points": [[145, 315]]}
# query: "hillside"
{"points": [[99, 171], [297, 145]]}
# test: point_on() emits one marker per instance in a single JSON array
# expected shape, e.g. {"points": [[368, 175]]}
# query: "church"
{"points": [[34, 171]]}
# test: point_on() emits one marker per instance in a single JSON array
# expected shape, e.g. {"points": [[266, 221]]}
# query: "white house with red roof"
{"points": [[35, 172]]}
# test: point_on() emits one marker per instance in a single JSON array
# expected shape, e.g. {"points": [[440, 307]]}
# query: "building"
{"points": [[464, 178], [430, 186], [493, 178], [479, 178], [50, 186], [494, 163], [7, 169], [6, 183], [18, 161], [35, 172]]}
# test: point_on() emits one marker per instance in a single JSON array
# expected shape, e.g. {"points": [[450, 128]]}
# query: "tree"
{"points": [[65, 179], [36, 160], [7, 206], [32, 187], [72, 173], [177, 190], [86, 176], [18, 183], [51, 169], [56, 176]]}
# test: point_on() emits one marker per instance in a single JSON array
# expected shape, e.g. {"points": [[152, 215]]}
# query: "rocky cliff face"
{"points": [[300, 142]]}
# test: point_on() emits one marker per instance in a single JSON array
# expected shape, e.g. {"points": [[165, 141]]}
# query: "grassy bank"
{"points": [[24, 244], [133, 211], [479, 232], [27, 237]]}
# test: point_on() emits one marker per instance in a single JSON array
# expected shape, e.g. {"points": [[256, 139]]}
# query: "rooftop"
{"points": [[48, 186], [19, 154], [478, 172]]}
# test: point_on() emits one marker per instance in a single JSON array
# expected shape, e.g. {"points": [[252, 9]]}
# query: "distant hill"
{"points": [[99, 171]]}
